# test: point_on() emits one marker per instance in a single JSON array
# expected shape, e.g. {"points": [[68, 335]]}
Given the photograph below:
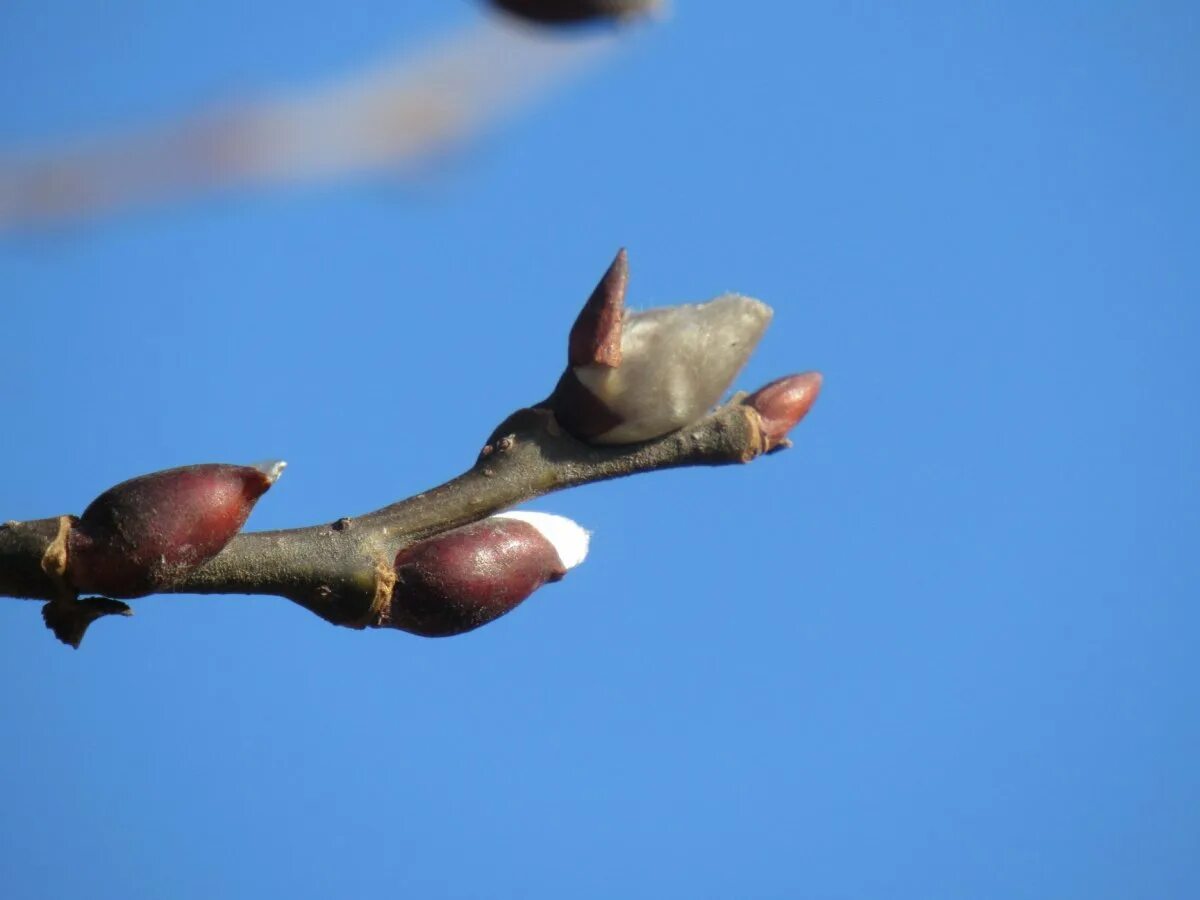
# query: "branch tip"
{"points": [[782, 404]]}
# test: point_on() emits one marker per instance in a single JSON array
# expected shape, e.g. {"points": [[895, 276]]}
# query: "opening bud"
{"points": [[650, 373], [459, 580], [146, 533]]}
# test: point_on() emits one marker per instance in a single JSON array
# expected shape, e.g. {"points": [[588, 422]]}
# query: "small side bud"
{"points": [[69, 619], [782, 404], [146, 533], [272, 468], [557, 12], [459, 580], [673, 363]]}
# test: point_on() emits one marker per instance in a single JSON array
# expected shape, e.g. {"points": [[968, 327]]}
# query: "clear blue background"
{"points": [[945, 648]]}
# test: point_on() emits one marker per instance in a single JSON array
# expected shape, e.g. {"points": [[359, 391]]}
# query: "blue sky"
{"points": [[944, 648]]}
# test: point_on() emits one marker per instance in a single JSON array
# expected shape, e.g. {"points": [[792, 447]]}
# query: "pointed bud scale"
{"points": [[783, 403], [146, 533], [564, 11], [674, 365], [459, 580], [596, 336]]}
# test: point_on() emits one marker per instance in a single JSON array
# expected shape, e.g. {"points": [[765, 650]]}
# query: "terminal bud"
{"points": [[459, 580], [782, 404]]}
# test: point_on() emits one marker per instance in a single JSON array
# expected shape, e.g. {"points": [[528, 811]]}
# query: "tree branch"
{"points": [[339, 571], [635, 397]]}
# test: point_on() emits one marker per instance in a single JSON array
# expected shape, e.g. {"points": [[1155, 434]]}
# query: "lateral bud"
{"points": [[147, 533], [634, 376], [461, 579], [69, 619]]}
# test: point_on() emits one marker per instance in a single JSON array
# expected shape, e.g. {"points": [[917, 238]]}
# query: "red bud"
{"points": [[146, 533], [561, 11], [462, 579], [596, 335], [783, 403]]}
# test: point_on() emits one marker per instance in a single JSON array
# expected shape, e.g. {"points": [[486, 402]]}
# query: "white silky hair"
{"points": [[676, 363], [568, 538]]}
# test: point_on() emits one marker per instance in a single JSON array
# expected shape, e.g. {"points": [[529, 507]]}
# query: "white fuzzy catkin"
{"points": [[676, 363], [568, 538]]}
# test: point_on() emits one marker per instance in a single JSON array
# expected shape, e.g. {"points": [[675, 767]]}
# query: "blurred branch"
{"points": [[392, 117]]}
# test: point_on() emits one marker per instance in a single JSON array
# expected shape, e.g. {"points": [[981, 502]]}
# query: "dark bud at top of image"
{"points": [[564, 12]]}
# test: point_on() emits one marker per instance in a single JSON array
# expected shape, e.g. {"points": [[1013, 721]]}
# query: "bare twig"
{"points": [[333, 569]]}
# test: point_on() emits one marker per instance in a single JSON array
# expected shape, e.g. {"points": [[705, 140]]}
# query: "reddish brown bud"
{"points": [[596, 336], [783, 403], [563, 11], [462, 579], [146, 533]]}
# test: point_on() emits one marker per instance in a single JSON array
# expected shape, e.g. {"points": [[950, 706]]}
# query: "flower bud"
{"points": [[458, 580], [636, 376], [563, 11], [146, 533]]}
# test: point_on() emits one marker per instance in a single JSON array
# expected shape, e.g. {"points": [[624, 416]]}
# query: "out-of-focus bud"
{"points": [[146, 533], [563, 11], [782, 404], [635, 376], [456, 581]]}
